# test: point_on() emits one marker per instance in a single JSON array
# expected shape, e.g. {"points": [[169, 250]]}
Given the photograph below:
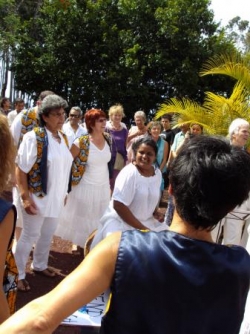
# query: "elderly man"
{"points": [[72, 128], [238, 133]]}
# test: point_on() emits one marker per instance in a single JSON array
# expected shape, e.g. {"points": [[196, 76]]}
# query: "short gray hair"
{"points": [[49, 103], [141, 114], [77, 109], [235, 126]]}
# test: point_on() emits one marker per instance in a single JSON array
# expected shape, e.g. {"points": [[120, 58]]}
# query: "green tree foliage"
{"points": [[9, 25], [136, 52], [239, 32]]}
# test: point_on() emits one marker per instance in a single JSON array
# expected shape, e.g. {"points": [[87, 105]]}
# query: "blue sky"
{"points": [[225, 10]]}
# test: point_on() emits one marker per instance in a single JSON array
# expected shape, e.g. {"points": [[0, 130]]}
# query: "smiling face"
{"points": [[195, 129], [116, 117], [145, 156], [240, 137], [100, 124], [74, 117], [139, 121], [155, 131], [55, 119]]}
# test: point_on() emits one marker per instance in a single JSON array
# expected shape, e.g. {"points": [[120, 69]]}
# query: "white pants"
{"points": [[232, 231], [36, 230]]}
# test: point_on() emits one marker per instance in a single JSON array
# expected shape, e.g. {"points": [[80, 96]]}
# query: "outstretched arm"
{"points": [[92, 277]]}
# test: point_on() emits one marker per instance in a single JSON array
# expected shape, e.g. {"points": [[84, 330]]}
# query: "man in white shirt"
{"points": [[72, 128], [19, 105]]}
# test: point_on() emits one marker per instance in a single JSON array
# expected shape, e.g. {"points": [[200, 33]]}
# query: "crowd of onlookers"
{"points": [[79, 175]]}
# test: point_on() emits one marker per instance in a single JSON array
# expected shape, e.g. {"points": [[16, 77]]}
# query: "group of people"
{"points": [[66, 173], [72, 179]]}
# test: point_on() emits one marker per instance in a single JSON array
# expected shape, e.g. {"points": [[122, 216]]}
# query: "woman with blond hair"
{"points": [[8, 270], [119, 133]]}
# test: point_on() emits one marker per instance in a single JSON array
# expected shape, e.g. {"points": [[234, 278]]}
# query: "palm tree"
{"points": [[217, 111], [234, 65]]}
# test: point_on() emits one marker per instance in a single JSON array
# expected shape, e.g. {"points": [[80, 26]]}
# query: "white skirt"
{"points": [[111, 222], [86, 204]]}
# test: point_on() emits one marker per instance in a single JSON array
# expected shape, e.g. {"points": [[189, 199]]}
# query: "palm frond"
{"points": [[231, 65], [185, 112]]}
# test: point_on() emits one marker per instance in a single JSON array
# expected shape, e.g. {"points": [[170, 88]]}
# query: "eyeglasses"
{"points": [[57, 114], [74, 116], [101, 120]]}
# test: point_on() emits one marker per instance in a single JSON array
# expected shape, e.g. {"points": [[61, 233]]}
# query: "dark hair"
{"points": [[201, 126], [167, 116], [146, 141], [209, 178], [91, 117], [3, 101], [49, 103], [19, 100], [45, 93]]}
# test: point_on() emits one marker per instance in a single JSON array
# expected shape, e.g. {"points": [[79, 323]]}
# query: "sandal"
{"points": [[46, 272], [23, 285]]}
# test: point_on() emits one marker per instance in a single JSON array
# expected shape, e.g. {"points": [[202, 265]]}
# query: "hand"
{"points": [[159, 216], [30, 206]]}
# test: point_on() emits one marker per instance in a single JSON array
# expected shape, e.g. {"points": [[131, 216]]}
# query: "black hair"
{"points": [[167, 116], [146, 141], [209, 178]]}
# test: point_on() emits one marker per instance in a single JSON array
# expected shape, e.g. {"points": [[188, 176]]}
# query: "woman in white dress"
{"points": [[136, 194], [90, 194]]}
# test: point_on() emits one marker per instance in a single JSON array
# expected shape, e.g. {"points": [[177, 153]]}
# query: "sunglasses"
{"points": [[74, 116], [101, 120]]}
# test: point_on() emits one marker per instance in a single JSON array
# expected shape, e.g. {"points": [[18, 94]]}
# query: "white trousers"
{"points": [[36, 230], [232, 231]]}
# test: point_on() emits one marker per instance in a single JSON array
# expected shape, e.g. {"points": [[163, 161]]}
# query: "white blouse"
{"points": [[59, 162]]}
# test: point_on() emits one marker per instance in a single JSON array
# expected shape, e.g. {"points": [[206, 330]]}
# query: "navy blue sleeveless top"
{"points": [[5, 207], [166, 283]]}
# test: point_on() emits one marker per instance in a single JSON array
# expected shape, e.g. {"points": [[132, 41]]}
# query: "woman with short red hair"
{"points": [[90, 192]]}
